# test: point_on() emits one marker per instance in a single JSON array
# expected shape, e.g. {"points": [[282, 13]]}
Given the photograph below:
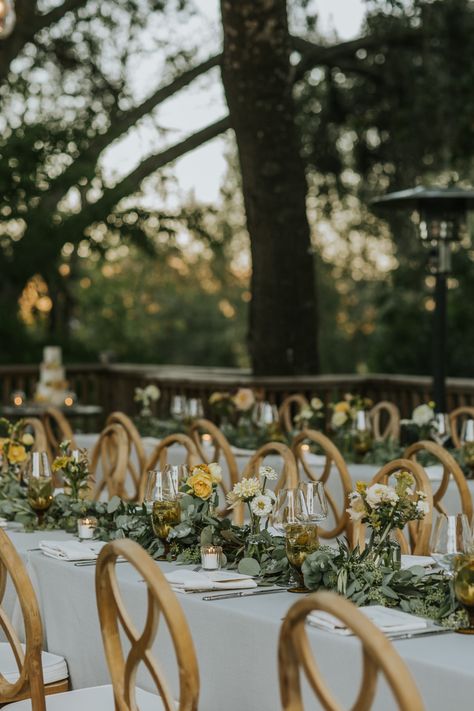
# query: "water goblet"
{"points": [[362, 438], [452, 536], [265, 414], [40, 486], [194, 408], [467, 444], [178, 408], [313, 503], [440, 428]]}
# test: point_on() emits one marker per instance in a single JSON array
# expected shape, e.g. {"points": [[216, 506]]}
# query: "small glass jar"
{"points": [[86, 527], [211, 557]]}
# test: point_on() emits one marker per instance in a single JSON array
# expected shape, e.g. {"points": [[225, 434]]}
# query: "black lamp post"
{"points": [[441, 217]]}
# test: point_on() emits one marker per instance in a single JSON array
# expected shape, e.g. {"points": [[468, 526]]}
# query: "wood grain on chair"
{"points": [[136, 464], [286, 410], [111, 452], [391, 430], [57, 430], [454, 416]]}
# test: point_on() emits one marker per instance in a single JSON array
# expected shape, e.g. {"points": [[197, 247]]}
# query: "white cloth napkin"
{"points": [[426, 561], [386, 619], [188, 580], [71, 550]]}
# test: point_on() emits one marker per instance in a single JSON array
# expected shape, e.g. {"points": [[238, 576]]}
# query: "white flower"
{"points": [[422, 506], [357, 508], [422, 415], [338, 419], [305, 414], [152, 392], [216, 472], [268, 472], [244, 399], [245, 489], [261, 505], [317, 404], [380, 493]]}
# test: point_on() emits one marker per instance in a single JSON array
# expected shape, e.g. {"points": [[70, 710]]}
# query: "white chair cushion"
{"points": [[54, 667], [97, 698]]}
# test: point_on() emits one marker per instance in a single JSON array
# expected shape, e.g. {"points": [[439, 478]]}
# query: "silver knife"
{"points": [[243, 593], [412, 635]]}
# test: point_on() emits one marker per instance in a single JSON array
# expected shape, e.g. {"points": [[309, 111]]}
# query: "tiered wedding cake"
{"points": [[52, 386]]}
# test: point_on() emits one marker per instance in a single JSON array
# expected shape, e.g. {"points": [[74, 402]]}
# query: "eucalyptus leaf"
{"points": [[113, 504], [249, 566]]}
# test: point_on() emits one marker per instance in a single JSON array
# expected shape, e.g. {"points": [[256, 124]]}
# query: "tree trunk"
{"points": [[257, 78]]}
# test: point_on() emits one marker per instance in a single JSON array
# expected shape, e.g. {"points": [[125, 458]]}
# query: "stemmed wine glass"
{"points": [[40, 484], [452, 536], [313, 501], [194, 408], [162, 500], [467, 443], [440, 428], [265, 414], [178, 408], [362, 439], [290, 518]]}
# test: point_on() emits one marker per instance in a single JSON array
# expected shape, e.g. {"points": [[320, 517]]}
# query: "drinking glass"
{"points": [[362, 439], [194, 408], [313, 502], [178, 408], [177, 473], [162, 500], [467, 443], [265, 414], [40, 484], [440, 429], [290, 517], [452, 536]]}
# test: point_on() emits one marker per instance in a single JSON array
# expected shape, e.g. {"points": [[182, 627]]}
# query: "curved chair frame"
{"points": [[392, 428], [162, 603], [39, 433], [160, 455], [450, 468], [379, 655], [286, 419], [454, 415], [135, 445], [111, 449], [30, 683], [334, 460], [53, 415]]}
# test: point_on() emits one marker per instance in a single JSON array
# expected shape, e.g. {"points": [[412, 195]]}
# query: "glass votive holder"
{"points": [[211, 557], [86, 527], [18, 398]]}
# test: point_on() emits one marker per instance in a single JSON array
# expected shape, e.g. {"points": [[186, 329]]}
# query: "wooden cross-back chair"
{"points": [[419, 531], [334, 466], [287, 407], [160, 455], [288, 476], [391, 413], [220, 449], [163, 605], [57, 430], [451, 469], [109, 462], [36, 428], [455, 416], [379, 656], [136, 463], [25, 671]]}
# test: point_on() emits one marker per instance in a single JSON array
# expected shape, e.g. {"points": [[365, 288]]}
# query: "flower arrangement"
{"points": [[253, 492], [74, 467], [228, 406], [145, 396], [312, 416], [203, 481], [345, 410], [15, 446]]}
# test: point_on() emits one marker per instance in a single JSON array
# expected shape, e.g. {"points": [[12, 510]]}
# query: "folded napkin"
{"points": [[426, 561], [387, 620], [71, 550], [188, 580]]}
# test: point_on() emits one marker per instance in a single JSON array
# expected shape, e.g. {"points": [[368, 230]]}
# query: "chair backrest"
{"points": [[36, 427], [459, 413], [391, 413], [334, 466], [57, 430], [28, 658], [379, 655], [450, 469], [220, 449], [160, 455], [136, 464], [287, 408], [109, 462], [419, 531], [162, 603]]}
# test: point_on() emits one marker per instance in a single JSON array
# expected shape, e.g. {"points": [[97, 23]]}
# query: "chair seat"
{"points": [[96, 698], [54, 667]]}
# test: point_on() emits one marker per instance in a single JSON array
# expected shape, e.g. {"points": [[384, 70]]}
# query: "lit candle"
{"points": [[86, 527], [305, 447], [211, 557], [206, 438]]}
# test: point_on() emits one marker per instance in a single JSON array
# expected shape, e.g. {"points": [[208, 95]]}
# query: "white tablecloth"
{"points": [[236, 643]]}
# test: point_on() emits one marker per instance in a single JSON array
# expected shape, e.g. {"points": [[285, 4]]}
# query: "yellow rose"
{"points": [[60, 463], [342, 406], [28, 440], [16, 453], [200, 483]]}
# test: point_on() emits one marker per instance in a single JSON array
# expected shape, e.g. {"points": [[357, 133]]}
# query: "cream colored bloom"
{"points": [[422, 415], [380, 493], [423, 507], [244, 399], [216, 472], [261, 505], [338, 419], [357, 508], [316, 403], [245, 489], [217, 397], [152, 392], [28, 440], [268, 472]]}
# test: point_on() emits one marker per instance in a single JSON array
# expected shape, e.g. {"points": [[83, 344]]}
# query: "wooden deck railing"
{"points": [[112, 386]]}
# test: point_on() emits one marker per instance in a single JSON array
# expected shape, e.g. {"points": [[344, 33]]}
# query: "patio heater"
{"points": [[440, 214]]}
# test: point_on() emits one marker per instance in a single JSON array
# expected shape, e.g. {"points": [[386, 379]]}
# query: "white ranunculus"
{"points": [[423, 506], [338, 419], [380, 493], [261, 505], [317, 404], [268, 472], [422, 415], [152, 392], [245, 489], [216, 472]]}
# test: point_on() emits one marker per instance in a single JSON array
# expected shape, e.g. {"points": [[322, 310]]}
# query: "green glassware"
{"points": [[301, 540], [165, 515], [464, 588]]}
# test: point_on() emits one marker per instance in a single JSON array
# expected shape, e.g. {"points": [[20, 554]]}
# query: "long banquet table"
{"points": [[236, 642]]}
